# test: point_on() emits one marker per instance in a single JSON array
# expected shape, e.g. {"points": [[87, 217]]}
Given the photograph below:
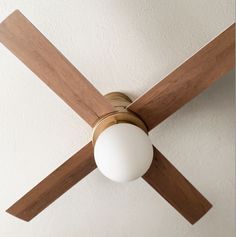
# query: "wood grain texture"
{"points": [[39, 55], [54, 185], [188, 80], [176, 189]]}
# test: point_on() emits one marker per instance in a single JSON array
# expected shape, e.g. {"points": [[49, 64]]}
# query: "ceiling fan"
{"points": [[120, 144]]}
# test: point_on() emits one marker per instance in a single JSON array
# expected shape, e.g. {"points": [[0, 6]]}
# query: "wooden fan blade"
{"points": [[176, 189], [188, 80], [54, 185], [39, 55]]}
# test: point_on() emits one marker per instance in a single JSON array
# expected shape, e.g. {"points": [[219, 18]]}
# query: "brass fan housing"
{"points": [[120, 102]]}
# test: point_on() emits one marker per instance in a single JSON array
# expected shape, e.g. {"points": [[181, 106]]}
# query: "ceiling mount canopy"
{"points": [[191, 78]]}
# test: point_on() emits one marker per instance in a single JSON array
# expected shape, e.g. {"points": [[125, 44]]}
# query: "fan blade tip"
{"points": [[11, 212], [15, 12], [207, 209]]}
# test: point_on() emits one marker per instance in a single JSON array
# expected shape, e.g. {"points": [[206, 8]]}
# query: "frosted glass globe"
{"points": [[123, 152]]}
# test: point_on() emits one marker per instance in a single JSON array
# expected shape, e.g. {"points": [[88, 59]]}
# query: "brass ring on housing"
{"points": [[120, 102], [116, 118]]}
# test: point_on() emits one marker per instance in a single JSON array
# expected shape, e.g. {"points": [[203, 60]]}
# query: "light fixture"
{"points": [[122, 148]]}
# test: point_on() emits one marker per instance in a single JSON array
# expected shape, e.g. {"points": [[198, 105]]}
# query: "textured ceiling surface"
{"points": [[123, 46]]}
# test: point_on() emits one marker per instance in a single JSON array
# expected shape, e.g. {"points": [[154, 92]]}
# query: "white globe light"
{"points": [[123, 152]]}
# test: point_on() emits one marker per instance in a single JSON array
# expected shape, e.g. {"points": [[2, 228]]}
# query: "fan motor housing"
{"points": [[120, 102]]}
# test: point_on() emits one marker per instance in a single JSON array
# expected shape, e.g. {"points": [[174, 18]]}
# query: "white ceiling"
{"points": [[123, 46]]}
